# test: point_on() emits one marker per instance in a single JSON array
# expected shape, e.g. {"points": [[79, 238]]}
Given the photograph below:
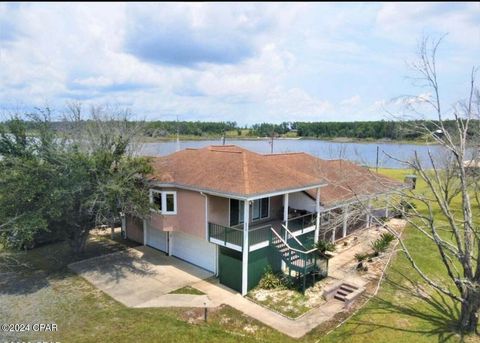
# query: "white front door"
{"points": [[156, 238], [193, 249]]}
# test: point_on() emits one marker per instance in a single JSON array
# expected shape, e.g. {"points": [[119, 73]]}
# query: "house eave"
{"points": [[237, 195]]}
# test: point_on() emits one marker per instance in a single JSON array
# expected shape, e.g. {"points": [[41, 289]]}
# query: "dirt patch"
{"points": [[291, 303]]}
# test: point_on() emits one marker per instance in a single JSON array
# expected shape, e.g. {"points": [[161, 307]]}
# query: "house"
{"points": [[234, 212]]}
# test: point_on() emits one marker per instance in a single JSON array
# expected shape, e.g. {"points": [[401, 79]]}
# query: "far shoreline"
{"points": [[342, 140]]}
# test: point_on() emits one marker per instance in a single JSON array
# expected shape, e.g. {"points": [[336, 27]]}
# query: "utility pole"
{"points": [[271, 141], [178, 136], [376, 164]]}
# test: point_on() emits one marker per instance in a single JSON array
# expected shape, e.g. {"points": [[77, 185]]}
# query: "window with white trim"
{"points": [[163, 202]]}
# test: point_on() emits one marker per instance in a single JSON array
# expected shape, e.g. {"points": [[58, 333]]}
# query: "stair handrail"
{"points": [[294, 237], [289, 247]]}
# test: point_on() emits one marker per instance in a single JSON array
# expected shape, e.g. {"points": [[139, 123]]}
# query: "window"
{"points": [[156, 200], [236, 212], [170, 200], [260, 208], [164, 202]]}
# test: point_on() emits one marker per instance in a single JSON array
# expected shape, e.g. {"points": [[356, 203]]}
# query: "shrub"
{"points": [[387, 237], [407, 206], [270, 280], [381, 244], [361, 257], [324, 246]]}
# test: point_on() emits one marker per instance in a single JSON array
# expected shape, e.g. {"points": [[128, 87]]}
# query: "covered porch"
{"points": [[290, 233]]}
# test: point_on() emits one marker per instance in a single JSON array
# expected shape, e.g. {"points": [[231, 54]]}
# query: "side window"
{"points": [[156, 200], [170, 203], [163, 202]]}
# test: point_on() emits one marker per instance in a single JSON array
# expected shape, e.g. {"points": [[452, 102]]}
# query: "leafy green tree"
{"points": [[70, 181]]}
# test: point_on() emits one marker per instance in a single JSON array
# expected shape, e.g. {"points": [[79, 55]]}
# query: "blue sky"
{"points": [[243, 62]]}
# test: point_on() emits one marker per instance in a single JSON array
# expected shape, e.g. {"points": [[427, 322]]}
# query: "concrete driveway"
{"points": [[142, 277]]}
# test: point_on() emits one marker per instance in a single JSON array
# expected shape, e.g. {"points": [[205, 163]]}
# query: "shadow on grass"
{"points": [[434, 314], [26, 272]]}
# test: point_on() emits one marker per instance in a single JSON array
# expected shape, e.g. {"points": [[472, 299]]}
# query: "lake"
{"points": [[363, 153]]}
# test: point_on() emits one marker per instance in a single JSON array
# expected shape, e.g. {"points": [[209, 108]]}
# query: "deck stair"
{"points": [[344, 290], [298, 259]]}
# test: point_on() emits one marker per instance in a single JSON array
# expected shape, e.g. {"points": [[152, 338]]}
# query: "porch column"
{"points": [[387, 202], [144, 232], [245, 248], [334, 229], [124, 226], [369, 208], [285, 219], [345, 220], [285, 209], [317, 219]]}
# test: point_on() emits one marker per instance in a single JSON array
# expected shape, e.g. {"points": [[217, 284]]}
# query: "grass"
{"points": [[36, 286], [187, 290]]}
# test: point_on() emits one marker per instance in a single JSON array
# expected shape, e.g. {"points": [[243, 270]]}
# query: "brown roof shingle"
{"points": [[346, 180], [230, 170]]}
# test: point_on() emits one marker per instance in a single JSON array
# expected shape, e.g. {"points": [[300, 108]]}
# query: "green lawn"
{"points": [[187, 290], [36, 286]]}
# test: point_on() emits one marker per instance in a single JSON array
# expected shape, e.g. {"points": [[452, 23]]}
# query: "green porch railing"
{"points": [[302, 222], [225, 234], [233, 235], [259, 235]]}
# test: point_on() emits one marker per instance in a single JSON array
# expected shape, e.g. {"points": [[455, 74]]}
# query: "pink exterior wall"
{"points": [[134, 229], [190, 217], [218, 210]]}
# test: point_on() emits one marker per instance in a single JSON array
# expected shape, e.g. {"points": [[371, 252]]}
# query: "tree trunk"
{"points": [[468, 320], [79, 240]]}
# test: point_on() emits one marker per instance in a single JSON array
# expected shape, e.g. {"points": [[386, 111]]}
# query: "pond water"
{"points": [[363, 153]]}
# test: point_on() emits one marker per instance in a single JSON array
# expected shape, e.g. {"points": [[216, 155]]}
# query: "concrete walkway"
{"points": [[142, 275], [295, 328], [178, 300]]}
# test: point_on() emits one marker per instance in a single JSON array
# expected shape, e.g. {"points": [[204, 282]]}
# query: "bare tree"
{"points": [[454, 233]]}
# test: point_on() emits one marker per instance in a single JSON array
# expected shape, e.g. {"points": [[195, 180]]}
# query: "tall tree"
{"points": [[454, 233], [75, 179]]}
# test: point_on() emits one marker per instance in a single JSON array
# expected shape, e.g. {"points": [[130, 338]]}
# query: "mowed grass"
{"points": [[36, 286]]}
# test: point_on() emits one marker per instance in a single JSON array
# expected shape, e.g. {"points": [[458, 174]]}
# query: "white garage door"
{"points": [[193, 249], [157, 239]]}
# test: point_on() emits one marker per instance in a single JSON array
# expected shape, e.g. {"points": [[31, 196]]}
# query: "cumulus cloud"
{"points": [[206, 61], [188, 35]]}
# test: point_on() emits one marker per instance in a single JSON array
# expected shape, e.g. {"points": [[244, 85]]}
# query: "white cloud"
{"points": [[282, 62]]}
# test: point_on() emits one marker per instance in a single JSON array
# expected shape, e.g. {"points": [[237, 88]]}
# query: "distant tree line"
{"points": [[394, 130], [381, 129], [191, 128]]}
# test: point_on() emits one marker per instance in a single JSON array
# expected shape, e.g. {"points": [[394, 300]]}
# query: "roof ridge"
{"points": [[215, 145], [227, 151], [245, 173], [286, 153]]}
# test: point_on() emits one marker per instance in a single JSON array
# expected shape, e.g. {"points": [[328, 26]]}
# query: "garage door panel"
{"points": [[157, 239], [193, 249]]}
